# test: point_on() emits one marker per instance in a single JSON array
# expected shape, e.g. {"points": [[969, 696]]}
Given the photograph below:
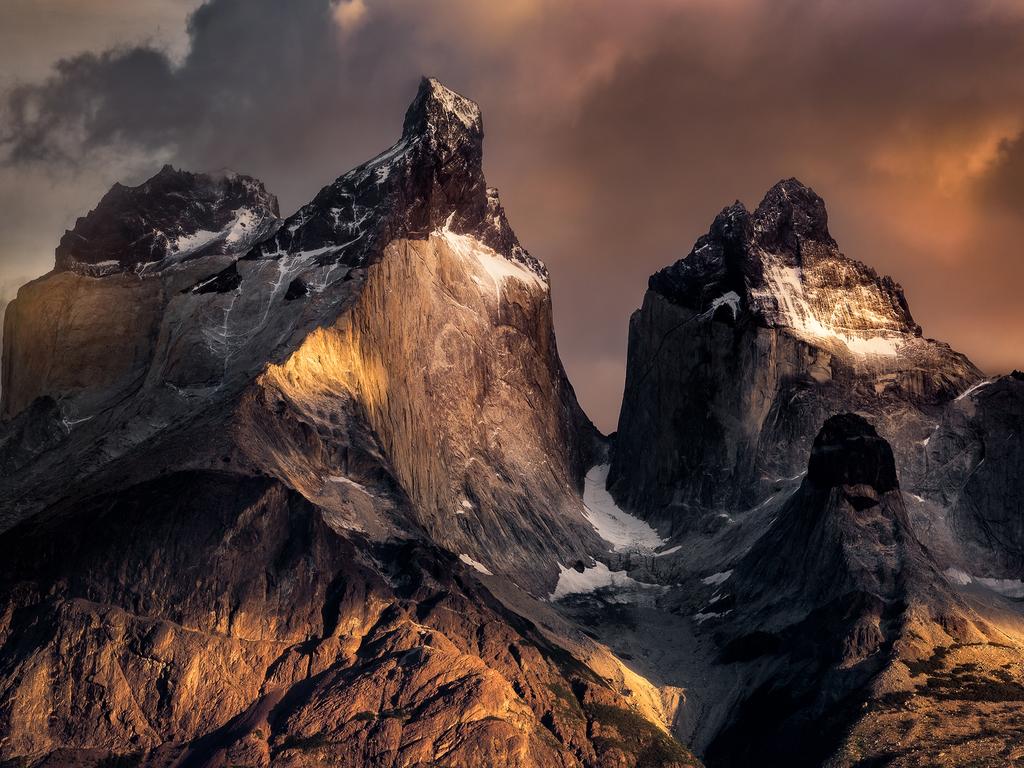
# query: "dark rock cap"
{"points": [[791, 211], [137, 225], [438, 108], [849, 452]]}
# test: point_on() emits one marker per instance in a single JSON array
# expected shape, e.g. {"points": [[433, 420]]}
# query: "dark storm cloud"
{"points": [[616, 132], [93, 100], [262, 78], [1004, 183]]}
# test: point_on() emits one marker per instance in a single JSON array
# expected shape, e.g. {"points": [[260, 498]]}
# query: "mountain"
{"points": [[839, 498], [297, 498], [742, 349], [835, 593], [317, 491]]}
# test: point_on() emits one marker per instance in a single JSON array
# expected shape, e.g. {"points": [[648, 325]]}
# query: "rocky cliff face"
{"points": [[833, 593], [140, 240], [318, 491], [299, 520], [743, 348]]}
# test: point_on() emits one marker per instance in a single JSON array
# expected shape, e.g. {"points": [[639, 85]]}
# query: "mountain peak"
{"points": [[438, 109], [782, 264], [849, 452], [172, 216], [791, 212]]}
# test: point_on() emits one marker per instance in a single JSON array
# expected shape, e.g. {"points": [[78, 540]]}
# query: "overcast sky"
{"points": [[615, 131]]}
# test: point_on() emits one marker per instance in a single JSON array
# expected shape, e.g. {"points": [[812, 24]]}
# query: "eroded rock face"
{"points": [[449, 352], [172, 217], [975, 467], [89, 333], [274, 546], [742, 349], [238, 626], [829, 599]]}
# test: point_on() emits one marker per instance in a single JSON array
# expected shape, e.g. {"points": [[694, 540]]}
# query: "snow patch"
{"points": [[716, 578], [1007, 587], [730, 299], [700, 618], [351, 483], [465, 110], [620, 529], [476, 564], [494, 265], [971, 390], [572, 582], [785, 293]]}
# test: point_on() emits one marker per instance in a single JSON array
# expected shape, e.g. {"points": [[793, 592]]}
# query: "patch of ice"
{"points": [[186, 244], [669, 551], [730, 299], [493, 264], [572, 582], [349, 482], [700, 618], [1007, 587], [476, 564], [972, 389], [620, 529], [716, 578], [956, 576], [241, 226], [873, 345]]}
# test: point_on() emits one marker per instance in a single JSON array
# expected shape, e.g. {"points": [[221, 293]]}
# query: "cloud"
{"points": [[615, 132]]}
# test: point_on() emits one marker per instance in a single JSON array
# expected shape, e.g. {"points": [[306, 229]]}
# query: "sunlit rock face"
{"points": [[743, 348], [89, 332], [282, 516], [449, 353]]}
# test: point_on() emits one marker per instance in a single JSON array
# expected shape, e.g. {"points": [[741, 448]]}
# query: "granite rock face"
{"points": [[974, 467], [741, 351], [299, 514], [830, 605]]}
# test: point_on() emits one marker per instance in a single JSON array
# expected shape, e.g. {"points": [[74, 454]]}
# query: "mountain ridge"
{"points": [[329, 496]]}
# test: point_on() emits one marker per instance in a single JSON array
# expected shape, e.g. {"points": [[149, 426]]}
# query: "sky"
{"points": [[615, 131]]}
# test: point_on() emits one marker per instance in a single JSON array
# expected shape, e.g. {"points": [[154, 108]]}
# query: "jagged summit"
{"points": [[781, 264], [791, 213], [430, 180], [173, 216], [848, 451], [437, 107]]}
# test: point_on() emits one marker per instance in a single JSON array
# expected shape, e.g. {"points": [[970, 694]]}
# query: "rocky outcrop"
{"points": [[173, 217], [238, 627], [835, 593], [743, 348], [89, 333], [974, 465], [449, 355]]}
